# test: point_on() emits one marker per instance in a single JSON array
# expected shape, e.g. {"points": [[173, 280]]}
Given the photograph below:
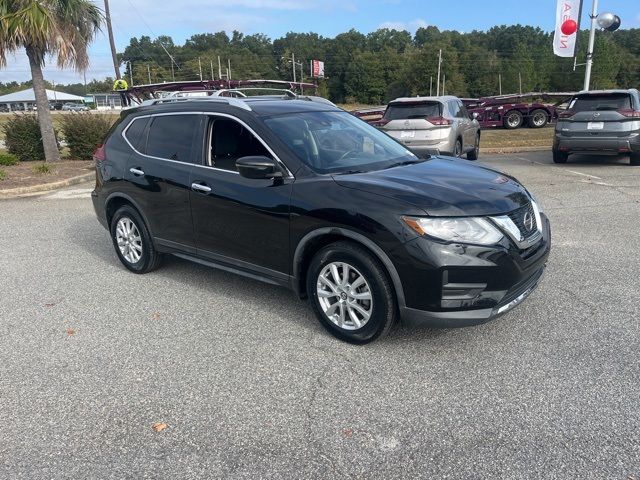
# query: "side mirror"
{"points": [[258, 167], [474, 116]]}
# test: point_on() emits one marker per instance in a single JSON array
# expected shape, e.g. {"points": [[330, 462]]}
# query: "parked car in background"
{"points": [[429, 125], [600, 122], [301, 194], [75, 107]]}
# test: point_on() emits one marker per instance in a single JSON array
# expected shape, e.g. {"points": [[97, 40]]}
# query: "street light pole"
{"points": [[592, 38]]}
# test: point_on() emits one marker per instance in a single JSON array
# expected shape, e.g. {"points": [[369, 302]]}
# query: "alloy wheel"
{"points": [[129, 240], [513, 120], [344, 296], [539, 119]]}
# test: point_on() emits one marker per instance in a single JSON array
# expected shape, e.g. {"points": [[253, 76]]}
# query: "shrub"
{"points": [[43, 168], [7, 159], [22, 137], [3, 175], [84, 132]]}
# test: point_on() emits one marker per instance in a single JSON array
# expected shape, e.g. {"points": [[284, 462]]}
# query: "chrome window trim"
{"points": [[289, 175]]}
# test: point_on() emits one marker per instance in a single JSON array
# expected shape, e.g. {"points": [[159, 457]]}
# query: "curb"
{"points": [[45, 187], [514, 149]]}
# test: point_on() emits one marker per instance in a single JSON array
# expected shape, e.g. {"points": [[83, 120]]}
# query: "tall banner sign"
{"points": [[317, 69], [567, 27]]}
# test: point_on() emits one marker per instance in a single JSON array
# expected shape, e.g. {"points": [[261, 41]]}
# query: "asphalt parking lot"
{"points": [[250, 385]]}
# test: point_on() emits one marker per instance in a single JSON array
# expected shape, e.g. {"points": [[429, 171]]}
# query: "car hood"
{"points": [[444, 186]]}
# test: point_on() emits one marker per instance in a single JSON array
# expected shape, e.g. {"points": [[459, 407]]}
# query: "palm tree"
{"points": [[61, 28]]}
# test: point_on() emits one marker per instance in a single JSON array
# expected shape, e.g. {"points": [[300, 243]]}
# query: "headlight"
{"points": [[463, 230]]}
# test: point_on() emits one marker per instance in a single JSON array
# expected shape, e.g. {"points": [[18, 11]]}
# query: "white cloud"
{"points": [[410, 26]]}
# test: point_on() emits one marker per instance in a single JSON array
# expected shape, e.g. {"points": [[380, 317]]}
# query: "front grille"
{"points": [[518, 218]]}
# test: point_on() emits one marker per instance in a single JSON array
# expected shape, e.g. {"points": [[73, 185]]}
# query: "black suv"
{"points": [[301, 194]]}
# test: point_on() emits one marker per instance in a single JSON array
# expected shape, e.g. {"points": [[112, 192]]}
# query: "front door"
{"points": [[239, 221]]}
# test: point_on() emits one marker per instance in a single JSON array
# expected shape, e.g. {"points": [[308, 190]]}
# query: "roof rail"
{"points": [[234, 102]]}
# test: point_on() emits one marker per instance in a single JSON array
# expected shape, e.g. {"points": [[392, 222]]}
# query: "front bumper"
{"points": [[449, 285]]}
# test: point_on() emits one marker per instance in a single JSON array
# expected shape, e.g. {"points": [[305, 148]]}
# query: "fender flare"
{"points": [[359, 238], [135, 204]]}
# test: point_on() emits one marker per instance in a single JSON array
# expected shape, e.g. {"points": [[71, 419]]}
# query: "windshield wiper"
{"points": [[406, 162], [349, 172]]}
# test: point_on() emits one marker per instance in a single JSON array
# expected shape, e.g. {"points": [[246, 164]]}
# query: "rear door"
{"points": [[417, 123], [159, 172], [599, 115], [467, 125]]}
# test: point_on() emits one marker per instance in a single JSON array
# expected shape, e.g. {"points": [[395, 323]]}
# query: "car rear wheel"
{"points": [[457, 148], [538, 118], [560, 157], [634, 159], [132, 241], [513, 120], [473, 154], [350, 293]]}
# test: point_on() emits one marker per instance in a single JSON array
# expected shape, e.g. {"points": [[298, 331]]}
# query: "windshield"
{"points": [[406, 111], [338, 142], [590, 103]]}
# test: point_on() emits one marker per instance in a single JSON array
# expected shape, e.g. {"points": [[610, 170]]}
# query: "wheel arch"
{"points": [[313, 241], [117, 200]]}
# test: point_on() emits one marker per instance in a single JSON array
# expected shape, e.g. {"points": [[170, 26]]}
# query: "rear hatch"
{"points": [[416, 123], [599, 114]]}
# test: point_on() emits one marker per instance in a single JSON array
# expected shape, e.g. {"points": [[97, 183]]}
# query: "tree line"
{"points": [[386, 63]]}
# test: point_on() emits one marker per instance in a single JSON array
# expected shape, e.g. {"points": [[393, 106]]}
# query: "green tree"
{"points": [[62, 28]]}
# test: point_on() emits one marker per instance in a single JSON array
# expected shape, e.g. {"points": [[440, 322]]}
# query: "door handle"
{"points": [[198, 187], [136, 171]]}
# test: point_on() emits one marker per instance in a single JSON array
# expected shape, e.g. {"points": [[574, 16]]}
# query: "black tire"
{"points": [[149, 259], [560, 157], [512, 119], [475, 153], [538, 118], [383, 302], [634, 159], [457, 148]]}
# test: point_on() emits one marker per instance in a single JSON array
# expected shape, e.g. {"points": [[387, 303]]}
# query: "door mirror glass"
{"points": [[474, 115], [258, 167]]}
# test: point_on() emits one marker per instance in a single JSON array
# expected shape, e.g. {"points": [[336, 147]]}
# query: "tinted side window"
{"points": [[231, 141], [171, 137], [135, 134], [454, 109], [462, 110]]}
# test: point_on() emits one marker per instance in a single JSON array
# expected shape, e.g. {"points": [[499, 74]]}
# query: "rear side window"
{"points": [[171, 137], [589, 103], [135, 134], [401, 111]]}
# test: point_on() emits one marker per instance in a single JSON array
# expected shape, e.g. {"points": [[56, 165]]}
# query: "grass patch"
{"points": [[42, 169], [8, 159], [522, 137], [3, 175]]}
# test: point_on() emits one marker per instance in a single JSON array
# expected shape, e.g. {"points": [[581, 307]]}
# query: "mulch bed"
{"points": [[24, 175]]}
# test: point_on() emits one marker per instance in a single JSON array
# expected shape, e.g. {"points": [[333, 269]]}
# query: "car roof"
{"points": [[441, 99], [604, 92], [262, 106]]}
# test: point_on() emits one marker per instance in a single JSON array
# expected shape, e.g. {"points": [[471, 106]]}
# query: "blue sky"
{"points": [[182, 18]]}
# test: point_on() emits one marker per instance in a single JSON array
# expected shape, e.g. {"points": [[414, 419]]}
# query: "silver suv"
{"points": [[438, 125], [599, 121]]}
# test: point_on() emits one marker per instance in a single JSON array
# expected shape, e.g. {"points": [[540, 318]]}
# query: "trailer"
{"points": [[531, 109]]}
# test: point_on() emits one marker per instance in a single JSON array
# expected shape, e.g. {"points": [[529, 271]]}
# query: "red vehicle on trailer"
{"points": [[532, 109]]}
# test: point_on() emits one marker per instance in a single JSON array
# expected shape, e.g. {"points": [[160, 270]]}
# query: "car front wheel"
{"points": [[350, 293], [132, 241], [560, 157]]}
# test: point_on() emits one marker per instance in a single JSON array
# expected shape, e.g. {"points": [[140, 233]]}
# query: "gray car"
{"points": [[75, 107], [439, 125], [601, 122]]}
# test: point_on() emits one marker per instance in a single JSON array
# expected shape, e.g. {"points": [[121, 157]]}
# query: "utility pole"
{"points": [[173, 73], [149, 73], [520, 81], [219, 68], [200, 67], [229, 70], [444, 79], [439, 65], [112, 42], [293, 66], [430, 85], [212, 76], [592, 38], [130, 72], [500, 83]]}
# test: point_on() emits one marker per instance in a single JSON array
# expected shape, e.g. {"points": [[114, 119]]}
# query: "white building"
{"points": [[26, 99]]}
